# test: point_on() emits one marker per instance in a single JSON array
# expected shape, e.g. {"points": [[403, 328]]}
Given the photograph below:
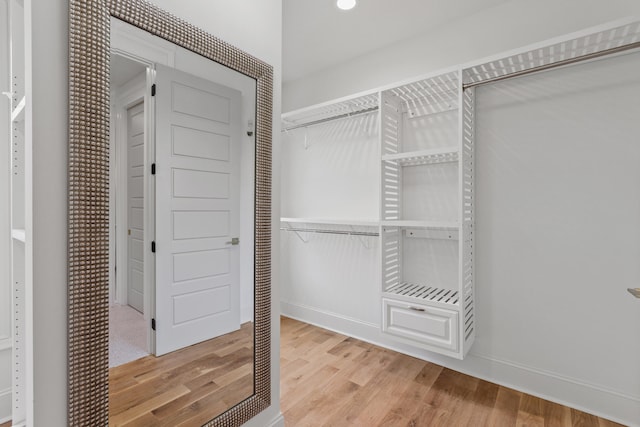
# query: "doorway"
{"points": [[129, 335]]}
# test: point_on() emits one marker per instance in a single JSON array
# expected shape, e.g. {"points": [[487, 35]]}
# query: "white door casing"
{"points": [[197, 209], [135, 206]]}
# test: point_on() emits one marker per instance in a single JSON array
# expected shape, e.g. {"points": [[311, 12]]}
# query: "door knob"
{"points": [[635, 292], [234, 241]]}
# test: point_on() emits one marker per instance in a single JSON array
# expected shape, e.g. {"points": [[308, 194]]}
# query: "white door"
{"points": [[197, 210], [135, 206]]}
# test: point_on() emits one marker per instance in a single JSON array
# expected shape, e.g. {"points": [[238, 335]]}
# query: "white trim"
{"points": [[557, 376], [594, 399], [277, 421], [139, 45]]}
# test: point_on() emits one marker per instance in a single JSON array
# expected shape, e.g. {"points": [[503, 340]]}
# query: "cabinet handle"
{"points": [[416, 308]]}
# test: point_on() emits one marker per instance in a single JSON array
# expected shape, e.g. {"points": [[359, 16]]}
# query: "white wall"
{"points": [[5, 223], [254, 26], [508, 26], [553, 320]]}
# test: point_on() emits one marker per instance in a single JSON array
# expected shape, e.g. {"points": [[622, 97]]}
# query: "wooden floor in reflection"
{"points": [[185, 388]]}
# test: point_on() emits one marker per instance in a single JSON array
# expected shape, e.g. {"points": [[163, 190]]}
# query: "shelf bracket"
{"points": [[297, 233], [362, 239], [8, 95], [306, 139]]}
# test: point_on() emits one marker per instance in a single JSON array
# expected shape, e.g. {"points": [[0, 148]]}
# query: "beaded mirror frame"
{"points": [[88, 204]]}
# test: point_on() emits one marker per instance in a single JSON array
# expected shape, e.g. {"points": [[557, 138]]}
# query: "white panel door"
{"points": [[197, 210], [135, 206]]}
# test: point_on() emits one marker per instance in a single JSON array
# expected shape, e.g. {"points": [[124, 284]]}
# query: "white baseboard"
{"points": [[5, 405], [277, 422], [263, 419], [570, 392]]}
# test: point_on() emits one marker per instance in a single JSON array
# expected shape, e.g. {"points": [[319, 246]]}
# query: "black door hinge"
{"points": [[153, 168], [153, 247], [153, 89], [153, 324]]}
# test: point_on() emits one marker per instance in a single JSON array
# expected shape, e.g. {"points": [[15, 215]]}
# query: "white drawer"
{"points": [[421, 324]]}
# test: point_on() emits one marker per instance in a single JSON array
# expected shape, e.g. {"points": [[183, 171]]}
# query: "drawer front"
{"points": [[421, 324]]}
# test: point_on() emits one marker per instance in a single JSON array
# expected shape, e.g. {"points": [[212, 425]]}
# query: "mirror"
{"points": [[169, 232], [181, 328]]}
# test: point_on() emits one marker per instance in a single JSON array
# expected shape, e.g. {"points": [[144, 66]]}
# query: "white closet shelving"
{"points": [[426, 219], [425, 174], [305, 122], [330, 111], [331, 221], [427, 214], [19, 215]]}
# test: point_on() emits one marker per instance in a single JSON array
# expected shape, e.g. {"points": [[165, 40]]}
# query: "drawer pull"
{"points": [[416, 308]]}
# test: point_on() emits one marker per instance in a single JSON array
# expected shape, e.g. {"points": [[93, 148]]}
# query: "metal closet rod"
{"points": [[561, 63], [330, 119], [321, 231]]}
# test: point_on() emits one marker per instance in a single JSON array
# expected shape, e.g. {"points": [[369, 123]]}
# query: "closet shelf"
{"points": [[427, 96], [341, 109], [442, 225], [17, 115], [19, 235], [561, 53], [332, 221], [431, 295], [424, 157]]}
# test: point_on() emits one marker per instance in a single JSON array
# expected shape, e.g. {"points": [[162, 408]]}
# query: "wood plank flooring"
{"points": [[7, 424], [328, 379], [187, 387]]}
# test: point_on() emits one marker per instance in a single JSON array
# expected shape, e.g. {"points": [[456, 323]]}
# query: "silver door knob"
{"points": [[234, 241]]}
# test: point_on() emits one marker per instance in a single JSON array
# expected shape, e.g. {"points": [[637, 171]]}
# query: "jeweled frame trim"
{"points": [[88, 204]]}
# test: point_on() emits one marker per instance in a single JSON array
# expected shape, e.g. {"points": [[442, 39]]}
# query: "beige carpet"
{"points": [[127, 335]]}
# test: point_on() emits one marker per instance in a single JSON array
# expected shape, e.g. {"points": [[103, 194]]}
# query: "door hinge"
{"points": [[153, 247], [153, 324], [153, 168], [153, 89]]}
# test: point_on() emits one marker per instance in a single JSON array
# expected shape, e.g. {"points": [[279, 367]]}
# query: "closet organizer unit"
{"points": [[427, 214], [425, 219], [427, 183]]}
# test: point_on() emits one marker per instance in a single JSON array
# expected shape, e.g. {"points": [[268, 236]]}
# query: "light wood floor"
{"points": [[186, 387], [329, 379], [7, 424]]}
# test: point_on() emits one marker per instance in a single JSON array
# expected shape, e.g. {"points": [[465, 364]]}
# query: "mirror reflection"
{"points": [[181, 296]]}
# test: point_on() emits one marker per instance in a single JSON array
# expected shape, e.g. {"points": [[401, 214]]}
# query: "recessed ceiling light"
{"points": [[346, 4]]}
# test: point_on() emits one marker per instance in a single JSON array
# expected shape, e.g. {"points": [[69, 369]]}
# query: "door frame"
{"points": [[138, 91]]}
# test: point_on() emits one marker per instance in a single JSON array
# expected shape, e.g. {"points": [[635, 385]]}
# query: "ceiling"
{"points": [[318, 35]]}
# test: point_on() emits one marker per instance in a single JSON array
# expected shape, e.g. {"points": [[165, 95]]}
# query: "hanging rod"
{"points": [[329, 119], [321, 231], [560, 63]]}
